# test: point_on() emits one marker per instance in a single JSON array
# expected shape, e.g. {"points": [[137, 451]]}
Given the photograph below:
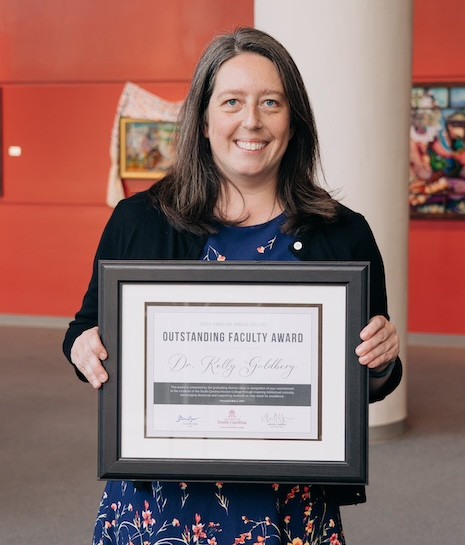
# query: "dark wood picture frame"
{"points": [[169, 278]]}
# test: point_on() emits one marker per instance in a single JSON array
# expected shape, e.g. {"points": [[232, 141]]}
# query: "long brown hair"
{"points": [[189, 193]]}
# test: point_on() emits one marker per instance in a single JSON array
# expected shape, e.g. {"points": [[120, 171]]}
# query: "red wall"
{"points": [[436, 256], [62, 71]]}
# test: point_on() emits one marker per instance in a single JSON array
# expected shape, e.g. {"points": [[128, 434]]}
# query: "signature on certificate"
{"points": [[276, 419], [189, 420]]}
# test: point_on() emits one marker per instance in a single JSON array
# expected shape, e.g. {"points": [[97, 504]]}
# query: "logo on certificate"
{"points": [[232, 420]]}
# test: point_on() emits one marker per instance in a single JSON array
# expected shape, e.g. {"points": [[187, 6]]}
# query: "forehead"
{"points": [[248, 70]]}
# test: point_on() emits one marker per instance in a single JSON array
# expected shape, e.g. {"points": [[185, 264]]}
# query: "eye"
{"points": [[231, 102], [270, 102]]}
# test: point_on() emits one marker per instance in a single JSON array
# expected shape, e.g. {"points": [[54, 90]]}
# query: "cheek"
{"points": [[217, 125], [281, 129], [286, 133], [214, 134]]}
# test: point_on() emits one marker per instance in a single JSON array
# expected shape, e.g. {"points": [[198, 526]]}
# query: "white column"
{"points": [[355, 58]]}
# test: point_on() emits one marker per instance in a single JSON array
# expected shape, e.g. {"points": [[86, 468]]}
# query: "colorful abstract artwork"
{"points": [[437, 152]]}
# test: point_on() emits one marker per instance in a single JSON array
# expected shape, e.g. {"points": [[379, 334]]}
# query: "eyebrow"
{"points": [[264, 92]]}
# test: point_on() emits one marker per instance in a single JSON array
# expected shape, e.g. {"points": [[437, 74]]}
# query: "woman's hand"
{"points": [[380, 344], [87, 354]]}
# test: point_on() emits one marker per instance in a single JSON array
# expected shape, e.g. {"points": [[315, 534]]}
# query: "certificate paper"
{"points": [[235, 371]]}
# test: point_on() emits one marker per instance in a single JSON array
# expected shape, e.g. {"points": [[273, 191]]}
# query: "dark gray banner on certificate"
{"points": [[236, 371]]}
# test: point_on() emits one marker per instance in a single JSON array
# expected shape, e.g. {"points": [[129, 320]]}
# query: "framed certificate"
{"points": [[233, 371]]}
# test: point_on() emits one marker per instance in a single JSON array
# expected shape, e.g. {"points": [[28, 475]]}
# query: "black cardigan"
{"points": [[138, 231]]}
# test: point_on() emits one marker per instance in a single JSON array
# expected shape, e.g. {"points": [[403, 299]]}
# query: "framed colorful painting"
{"points": [[146, 148], [437, 152]]}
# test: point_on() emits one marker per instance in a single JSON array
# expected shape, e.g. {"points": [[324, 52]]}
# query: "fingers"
{"points": [[377, 323], [87, 353], [380, 343]]}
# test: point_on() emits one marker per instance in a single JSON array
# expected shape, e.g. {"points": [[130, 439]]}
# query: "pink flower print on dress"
{"points": [[213, 255], [197, 529], [147, 516], [269, 246]]}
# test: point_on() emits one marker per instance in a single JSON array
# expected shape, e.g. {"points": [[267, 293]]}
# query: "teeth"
{"points": [[252, 146]]}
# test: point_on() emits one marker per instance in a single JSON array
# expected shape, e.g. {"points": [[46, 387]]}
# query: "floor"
{"points": [[49, 492]]}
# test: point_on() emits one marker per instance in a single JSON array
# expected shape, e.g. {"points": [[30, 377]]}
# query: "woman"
{"points": [[243, 186]]}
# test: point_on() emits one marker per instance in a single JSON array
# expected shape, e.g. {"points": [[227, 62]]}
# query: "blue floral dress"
{"points": [[217, 513]]}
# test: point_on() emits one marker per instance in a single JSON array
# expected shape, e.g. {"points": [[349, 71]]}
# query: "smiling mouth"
{"points": [[250, 146]]}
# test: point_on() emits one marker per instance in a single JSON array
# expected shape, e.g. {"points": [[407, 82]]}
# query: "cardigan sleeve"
{"points": [[136, 230], [87, 315], [350, 238], [127, 223], [364, 247]]}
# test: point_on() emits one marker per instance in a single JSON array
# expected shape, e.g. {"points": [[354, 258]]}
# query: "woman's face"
{"points": [[248, 120]]}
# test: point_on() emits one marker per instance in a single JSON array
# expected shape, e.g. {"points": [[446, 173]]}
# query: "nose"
{"points": [[251, 119]]}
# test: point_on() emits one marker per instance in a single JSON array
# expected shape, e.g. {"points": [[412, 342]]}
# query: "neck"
{"points": [[250, 206]]}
